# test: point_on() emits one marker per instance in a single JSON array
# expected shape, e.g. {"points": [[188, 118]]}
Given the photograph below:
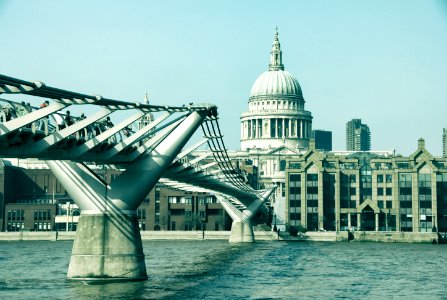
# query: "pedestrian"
{"points": [[44, 104], [108, 123], [279, 230], [21, 109], [83, 130], [68, 119]]}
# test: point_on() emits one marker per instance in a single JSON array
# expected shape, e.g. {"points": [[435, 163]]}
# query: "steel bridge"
{"points": [[108, 242]]}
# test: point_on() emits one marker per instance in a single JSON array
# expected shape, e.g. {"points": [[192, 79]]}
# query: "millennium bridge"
{"points": [[108, 243]]}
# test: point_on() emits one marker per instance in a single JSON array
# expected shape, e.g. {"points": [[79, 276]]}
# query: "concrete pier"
{"points": [[107, 247], [241, 232]]}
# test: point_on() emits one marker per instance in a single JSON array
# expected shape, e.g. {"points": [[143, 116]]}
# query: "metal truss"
{"points": [[32, 132]]}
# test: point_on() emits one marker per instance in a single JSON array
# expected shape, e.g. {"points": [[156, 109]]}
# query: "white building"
{"points": [[275, 127], [276, 115]]}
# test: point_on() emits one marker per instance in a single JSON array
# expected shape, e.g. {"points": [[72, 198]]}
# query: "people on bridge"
{"points": [[68, 119], [6, 114], [87, 130], [108, 123], [21, 109], [44, 104], [59, 121], [127, 131]]}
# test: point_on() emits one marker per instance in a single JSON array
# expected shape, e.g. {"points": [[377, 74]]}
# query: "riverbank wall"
{"points": [[327, 236]]}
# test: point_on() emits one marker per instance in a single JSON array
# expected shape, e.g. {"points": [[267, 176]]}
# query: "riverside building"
{"points": [[40, 203], [369, 191]]}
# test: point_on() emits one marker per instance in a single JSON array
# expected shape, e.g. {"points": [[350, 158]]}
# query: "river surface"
{"points": [[219, 270]]}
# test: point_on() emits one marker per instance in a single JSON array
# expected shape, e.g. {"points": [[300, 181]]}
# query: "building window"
{"points": [[15, 220], [389, 178], [441, 191], [312, 201], [365, 183], [329, 184], [425, 199], [389, 191], [42, 220], [405, 200]]}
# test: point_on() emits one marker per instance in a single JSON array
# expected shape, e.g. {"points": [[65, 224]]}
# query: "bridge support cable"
{"points": [[108, 242]]}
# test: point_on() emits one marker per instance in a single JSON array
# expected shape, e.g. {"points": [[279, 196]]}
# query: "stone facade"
{"points": [[367, 191]]}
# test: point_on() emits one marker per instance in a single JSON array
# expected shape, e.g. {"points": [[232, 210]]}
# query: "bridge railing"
{"points": [[11, 110]]}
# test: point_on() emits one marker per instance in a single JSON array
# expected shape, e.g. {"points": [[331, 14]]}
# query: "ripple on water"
{"points": [[219, 270]]}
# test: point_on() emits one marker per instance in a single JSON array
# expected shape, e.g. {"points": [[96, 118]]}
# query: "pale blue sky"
{"points": [[382, 61]]}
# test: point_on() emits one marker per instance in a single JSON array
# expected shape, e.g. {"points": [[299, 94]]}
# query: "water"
{"points": [[219, 270]]}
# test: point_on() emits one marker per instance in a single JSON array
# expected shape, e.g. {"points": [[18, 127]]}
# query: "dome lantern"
{"points": [[276, 55]]}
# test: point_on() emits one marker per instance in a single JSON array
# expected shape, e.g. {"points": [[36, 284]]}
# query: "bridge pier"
{"points": [[242, 232], [107, 247], [241, 228], [108, 242]]}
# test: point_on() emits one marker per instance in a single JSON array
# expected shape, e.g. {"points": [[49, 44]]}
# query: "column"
{"points": [[301, 129], [291, 134], [320, 201], [349, 221], [376, 221], [434, 203], [276, 127], [359, 221], [296, 127], [283, 127]]}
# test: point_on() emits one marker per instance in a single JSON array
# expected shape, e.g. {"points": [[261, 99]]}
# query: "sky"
{"points": [[384, 61]]}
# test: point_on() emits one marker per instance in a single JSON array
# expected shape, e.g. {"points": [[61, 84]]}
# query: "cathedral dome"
{"points": [[276, 82]]}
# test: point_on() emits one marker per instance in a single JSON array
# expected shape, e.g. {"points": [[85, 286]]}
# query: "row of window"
{"points": [[19, 214], [405, 179], [16, 215], [188, 200]]}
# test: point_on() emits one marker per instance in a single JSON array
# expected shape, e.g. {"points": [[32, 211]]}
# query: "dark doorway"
{"points": [[368, 219]]}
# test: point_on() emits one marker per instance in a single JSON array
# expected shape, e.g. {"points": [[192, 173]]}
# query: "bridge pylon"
{"points": [[241, 228], [108, 244]]}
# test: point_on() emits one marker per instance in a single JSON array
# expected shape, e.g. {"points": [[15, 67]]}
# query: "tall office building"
{"points": [[323, 139], [358, 136], [444, 142]]}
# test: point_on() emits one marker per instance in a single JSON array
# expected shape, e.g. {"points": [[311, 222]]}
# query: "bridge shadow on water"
{"points": [[175, 270]]}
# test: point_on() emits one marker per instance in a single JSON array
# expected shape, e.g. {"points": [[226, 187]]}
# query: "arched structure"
{"points": [[276, 115], [108, 243]]}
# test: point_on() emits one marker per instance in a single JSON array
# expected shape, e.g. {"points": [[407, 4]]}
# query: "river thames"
{"points": [[219, 270]]}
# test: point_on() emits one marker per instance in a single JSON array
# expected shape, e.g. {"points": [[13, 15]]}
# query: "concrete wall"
{"points": [[395, 237], [328, 236], [28, 236]]}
